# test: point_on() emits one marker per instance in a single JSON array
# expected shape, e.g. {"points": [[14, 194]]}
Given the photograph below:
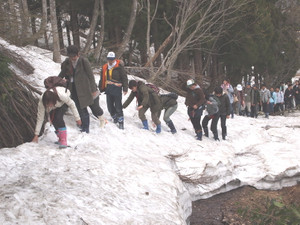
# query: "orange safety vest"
{"points": [[104, 74]]}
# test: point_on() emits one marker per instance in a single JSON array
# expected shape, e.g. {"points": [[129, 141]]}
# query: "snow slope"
{"points": [[113, 176]]}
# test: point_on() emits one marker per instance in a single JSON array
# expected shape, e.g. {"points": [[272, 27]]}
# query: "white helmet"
{"points": [[239, 87], [190, 82], [111, 55]]}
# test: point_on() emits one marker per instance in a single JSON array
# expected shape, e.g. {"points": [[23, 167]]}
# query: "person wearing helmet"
{"points": [[194, 101], [113, 79]]}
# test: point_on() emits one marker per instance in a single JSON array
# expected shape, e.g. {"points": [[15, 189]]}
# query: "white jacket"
{"points": [[64, 96]]}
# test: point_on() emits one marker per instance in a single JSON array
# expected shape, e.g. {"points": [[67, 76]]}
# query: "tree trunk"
{"points": [[198, 65], [101, 38], [13, 23], [148, 32], [161, 48], [25, 20], [60, 30], [56, 49], [92, 27], [128, 32], [75, 27]]}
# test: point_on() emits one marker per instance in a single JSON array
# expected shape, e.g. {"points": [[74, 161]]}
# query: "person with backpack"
{"points": [[247, 95], [195, 104], [146, 98], [55, 101], [212, 108], [169, 104], [113, 79], [224, 109], [81, 83]]}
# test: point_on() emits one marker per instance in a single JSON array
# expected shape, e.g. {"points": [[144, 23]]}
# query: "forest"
{"points": [[164, 41]]}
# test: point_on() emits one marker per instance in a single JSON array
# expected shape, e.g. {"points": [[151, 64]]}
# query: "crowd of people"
{"points": [[81, 92], [248, 101]]}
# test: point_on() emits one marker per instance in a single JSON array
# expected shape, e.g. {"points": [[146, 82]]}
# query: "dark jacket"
{"points": [[288, 95], [83, 78], [255, 96], [194, 97], [167, 101], [224, 107], [113, 84], [145, 97]]}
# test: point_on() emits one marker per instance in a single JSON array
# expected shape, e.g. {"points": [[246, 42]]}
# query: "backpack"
{"points": [[153, 87], [54, 81], [171, 95]]}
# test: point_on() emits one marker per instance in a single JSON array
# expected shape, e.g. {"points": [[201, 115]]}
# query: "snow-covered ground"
{"points": [[130, 176]]}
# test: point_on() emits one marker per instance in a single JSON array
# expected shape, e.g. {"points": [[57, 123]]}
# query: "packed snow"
{"points": [[132, 176]]}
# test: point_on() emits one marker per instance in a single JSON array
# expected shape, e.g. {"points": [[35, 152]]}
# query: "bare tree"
{"points": [[101, 38], [92, 27], [129, 29], [56, 48], [149, 21], [199, 22]]}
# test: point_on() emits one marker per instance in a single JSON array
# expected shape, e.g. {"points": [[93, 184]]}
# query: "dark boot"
{"points": [[158, 128], [115, 118], [216, 137], [85, 127], [171, 126], [199, 135], [145, 125], [121, 123], [205, 131]]}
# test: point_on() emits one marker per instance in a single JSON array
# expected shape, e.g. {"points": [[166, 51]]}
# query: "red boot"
{"points": [[62, 134]]}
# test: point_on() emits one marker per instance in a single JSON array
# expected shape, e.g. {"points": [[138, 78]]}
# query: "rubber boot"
{"points": [[121, 123], [145, 125], [85, 127], [199, 135], [62, 133], [205, 131], [158, 128], [171, 126], [115, 118], [216, 137], [102, 121]]}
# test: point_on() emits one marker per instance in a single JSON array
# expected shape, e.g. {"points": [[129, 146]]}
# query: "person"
{"points": [[169, 104], [228, 89], [212, 108], [296, 90], [279, 101], [81, 83], [146, 98], [265, 99], [240, 104], [195, 105], [224, 109], [255, 100], [273, 101], [56, 102], [113, 79], [247, 95], [288, 97]]}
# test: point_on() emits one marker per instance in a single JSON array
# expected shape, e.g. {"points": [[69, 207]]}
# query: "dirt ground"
{"points": [[224, 209]]}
